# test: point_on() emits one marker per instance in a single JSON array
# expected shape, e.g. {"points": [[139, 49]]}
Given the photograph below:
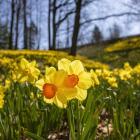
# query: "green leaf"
{"points": [[32, 135]]}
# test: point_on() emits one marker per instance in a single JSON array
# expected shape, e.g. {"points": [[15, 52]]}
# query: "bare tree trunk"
{"points": [[76, 27], [54, 26], [12, 24], [0, 12], [29, 38], [49, 24], [25, 24], [39, 32], [17, 23], [68, 32], [39, 15]]}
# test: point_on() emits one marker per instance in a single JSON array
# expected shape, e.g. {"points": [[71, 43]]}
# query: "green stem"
{"points": [[71, 123]]}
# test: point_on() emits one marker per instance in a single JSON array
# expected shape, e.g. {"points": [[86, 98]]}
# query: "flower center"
{"points": [[49, 90], [71, 81]]}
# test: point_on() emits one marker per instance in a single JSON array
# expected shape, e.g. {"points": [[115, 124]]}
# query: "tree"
{"points": [[115, 31], [12, 24], [79, 4], [25, 24], [4, 36], [57, 15], [18, 9], [38, 23], [31, 35], [49, 24], [97, 36], [76, 27]]}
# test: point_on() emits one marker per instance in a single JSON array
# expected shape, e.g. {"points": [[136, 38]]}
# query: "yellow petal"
{"points": [[40, 84], [82, 94], [50, 70], [60, 101], [84, 80], [33, 63], [31, 79], [69, 93], [63, 64], [23, 79], [76, 67], [23, 63], [36, 73], [49, 74], [58, 78], [49, 101]]}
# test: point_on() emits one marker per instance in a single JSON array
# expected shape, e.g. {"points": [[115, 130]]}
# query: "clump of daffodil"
{"points": [[77, 77], [106, 73], [109, 76], [98, 72], [127, 66], [112, 82], [1, 100], [136, 70], [53, 87], [95, 80], [2, 90], [7, 83], [26, 71], [124, 74]]}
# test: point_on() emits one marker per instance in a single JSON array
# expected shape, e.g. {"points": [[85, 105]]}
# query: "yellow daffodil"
{"points": [[112, 82], [7, 83], [26, 71], [124, 74], [2, 90], [1, 100], [98, 72], [77, 77], [95, 80], [106, 73], [54, 91], [136, 69], [127, 66]]}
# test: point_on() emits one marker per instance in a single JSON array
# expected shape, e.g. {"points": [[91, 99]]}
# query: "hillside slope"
{"points": [[115, 52]]}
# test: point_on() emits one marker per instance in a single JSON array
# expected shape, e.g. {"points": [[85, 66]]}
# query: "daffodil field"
{"points": [[50, 95]]}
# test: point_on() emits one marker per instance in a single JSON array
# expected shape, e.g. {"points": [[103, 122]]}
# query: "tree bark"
{"points": [[17, 24], [25, 24], [76, 27], [12, 24], [49, 24], [54, 26]]}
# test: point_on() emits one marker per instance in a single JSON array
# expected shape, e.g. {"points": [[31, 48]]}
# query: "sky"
{"points": [[129, 25]]}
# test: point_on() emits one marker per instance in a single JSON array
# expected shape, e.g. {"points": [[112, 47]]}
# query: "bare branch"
{"points": [[132, 7], [104, 18], [63, 4], [110, 16], [87, 2], [65, 17]]}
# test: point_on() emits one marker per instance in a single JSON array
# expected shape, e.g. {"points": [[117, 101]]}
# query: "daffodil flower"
{"points": [[77, 77], [95, 80], [27, 71], [53, 89], [2, 90]]}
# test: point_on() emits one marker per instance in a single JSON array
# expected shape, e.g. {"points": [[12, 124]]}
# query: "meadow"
{"points": [[51, 95]]}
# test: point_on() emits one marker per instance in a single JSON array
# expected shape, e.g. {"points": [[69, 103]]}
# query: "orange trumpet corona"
{"points": [[49, 90], [71, 81]]}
